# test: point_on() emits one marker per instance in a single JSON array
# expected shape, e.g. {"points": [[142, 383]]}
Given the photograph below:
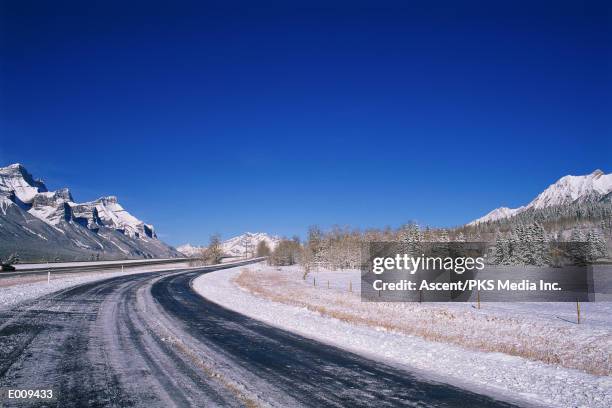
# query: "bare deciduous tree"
{"points": [[263, 249], [212, 254]]}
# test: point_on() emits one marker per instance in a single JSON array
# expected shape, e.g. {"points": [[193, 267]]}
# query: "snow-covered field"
{"points": [[453, 343], [14, 290]]}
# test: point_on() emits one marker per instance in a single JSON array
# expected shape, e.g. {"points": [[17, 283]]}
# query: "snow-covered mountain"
{"points": [[248, 241], [498, 214], [111, 214], [569, 189], [189, 250], [236, 246], [40, 224], [17, 180]]}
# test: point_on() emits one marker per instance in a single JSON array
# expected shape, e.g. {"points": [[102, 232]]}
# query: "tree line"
{"points": [[523, 239]]}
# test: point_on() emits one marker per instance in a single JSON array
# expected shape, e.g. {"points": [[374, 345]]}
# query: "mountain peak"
{"points": [[236, 246], [566, 190], [108, 199], [247, 242], [64, 193], [16, 179]]}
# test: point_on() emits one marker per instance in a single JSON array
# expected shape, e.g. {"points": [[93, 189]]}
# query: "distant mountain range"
{"points": [[190, 250], [236, 246], [591, 188], [38, 225]]}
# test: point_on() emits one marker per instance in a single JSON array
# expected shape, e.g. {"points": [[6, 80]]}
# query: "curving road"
{"points": [[150, 340]]}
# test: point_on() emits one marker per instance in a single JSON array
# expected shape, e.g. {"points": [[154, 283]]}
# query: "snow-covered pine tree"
{"points": [[577, 235], [501, 251], [596, 246], [578, 247], [515, 255], [539, 245], [411, 238]]}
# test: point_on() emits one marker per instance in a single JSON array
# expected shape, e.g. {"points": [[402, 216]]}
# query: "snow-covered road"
{"points": [[150, 340], [17, 289]]}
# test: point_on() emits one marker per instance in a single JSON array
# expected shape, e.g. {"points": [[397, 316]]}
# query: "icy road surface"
{"points": [[150, 340]]}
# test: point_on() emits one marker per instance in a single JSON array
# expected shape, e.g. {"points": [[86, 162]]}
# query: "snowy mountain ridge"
{"points": [[247, 242], [568, 189], [189, 250], [53, 206], [15, 178], [236, 246], [102, 227]]}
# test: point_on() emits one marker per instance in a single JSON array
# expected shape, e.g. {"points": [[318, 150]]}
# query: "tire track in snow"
{"points": [[150, 340]]}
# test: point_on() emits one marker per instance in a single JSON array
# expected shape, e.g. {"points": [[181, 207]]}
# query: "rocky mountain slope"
{"points": [[42, 225], [591, 188]]}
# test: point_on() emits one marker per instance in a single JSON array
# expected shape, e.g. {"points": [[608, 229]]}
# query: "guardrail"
{"points": [[41, 269], [227, 265]]}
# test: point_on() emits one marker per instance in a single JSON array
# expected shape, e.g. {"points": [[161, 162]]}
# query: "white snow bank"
{"points": [[496, 374]]}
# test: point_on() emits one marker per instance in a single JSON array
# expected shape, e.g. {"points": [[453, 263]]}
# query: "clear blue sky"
{"points": [[207, 119]]}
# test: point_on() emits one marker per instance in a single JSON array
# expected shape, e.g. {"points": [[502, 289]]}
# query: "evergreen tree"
{"points": [[515, 254], [411, 238], [596, 246], [539, 245], [578, 247], [501, 251]]}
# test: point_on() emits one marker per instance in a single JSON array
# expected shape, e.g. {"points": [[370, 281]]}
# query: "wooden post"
{"points": [[314, 281], [121, 268], [578, 310], [48, 276], [478, 298], [328, 284]]}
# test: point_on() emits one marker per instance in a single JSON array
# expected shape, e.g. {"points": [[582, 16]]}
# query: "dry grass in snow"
{"points": [[553, 342]]}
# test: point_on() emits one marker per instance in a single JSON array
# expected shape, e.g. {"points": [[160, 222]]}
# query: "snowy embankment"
{"points": [[441, 341], [14, 290]]}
